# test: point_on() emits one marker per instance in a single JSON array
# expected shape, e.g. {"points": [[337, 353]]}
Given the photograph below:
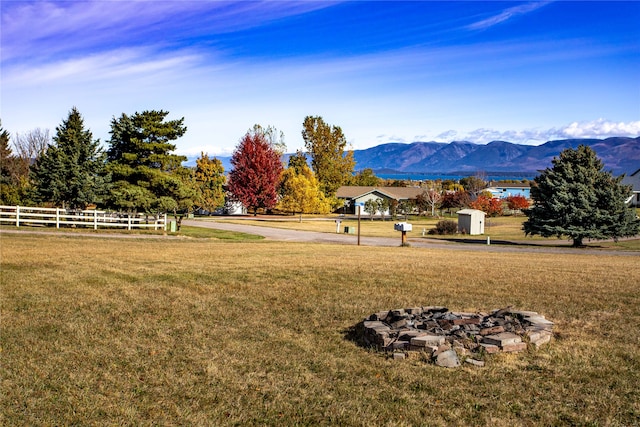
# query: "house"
{"points": [[232, 207], [634, 181], [353, 196], [471, 221], [502, 191]]}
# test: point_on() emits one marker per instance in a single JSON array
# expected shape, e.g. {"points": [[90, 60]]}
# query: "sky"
{"points": [[524, 72]]}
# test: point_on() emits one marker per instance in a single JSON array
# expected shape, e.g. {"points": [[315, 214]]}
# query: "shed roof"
{"points": [[398, 193], [470, 212]]}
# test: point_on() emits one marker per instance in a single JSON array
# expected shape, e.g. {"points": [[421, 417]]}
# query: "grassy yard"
{"points": [[504, 228], [185, 231], [235, 332]]}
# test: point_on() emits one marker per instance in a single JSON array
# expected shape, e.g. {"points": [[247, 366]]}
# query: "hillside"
{"points": [[619, 154]]}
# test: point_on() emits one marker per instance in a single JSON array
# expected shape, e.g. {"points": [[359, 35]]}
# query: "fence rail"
{"points": [[21, 216]]}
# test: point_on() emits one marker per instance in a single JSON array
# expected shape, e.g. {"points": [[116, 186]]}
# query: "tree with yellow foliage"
{"points": [[209, 179], [299, 189]]}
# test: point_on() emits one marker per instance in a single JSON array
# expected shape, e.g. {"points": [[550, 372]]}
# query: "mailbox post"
{"points": [[403, 227]]}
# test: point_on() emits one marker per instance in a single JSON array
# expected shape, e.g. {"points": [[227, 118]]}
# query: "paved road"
{"points": [[280, 234]]}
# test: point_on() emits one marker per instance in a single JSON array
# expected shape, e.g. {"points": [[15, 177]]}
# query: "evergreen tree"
{"points": [[70, 173], [326, 145], [146, 176], [254, 179], [210, 179], [576, 198], [9, 194], [5, 154]]}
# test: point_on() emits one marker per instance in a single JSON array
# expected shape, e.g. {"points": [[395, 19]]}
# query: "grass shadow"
{"points": [[355, 334]]}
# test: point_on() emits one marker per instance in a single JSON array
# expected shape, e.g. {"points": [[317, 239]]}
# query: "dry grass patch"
{"points": [[499, 229], [202, 332], [502, 227]]}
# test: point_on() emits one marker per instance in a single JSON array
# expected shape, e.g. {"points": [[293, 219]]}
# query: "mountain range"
{"points": [[619, 155]]}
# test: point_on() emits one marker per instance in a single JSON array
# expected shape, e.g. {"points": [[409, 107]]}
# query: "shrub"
{"points": [[445, 226]]}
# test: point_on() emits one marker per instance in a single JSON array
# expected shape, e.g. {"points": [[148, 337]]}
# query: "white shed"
{"points": [[471, 221]]}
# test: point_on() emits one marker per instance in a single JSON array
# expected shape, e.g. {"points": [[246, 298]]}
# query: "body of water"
{"points": [[416, 176]]}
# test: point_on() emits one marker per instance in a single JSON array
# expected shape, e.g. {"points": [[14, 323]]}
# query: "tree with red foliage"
{"points": [[255, 176], [490, 205], [455, 199], [517, 203]]}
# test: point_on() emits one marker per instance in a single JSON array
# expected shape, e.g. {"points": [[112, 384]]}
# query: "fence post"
{"points": [[57, 217], [17, 216], [128, 221], [95, 220]]}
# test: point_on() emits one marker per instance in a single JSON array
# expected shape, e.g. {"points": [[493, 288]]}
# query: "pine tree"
{"points": [[5, 154], [70, 173], [9, 190], [576, 198], [254, 179], [147, 176]]}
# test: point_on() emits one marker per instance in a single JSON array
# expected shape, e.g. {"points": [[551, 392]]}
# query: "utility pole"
{"points": [[359, 209]]}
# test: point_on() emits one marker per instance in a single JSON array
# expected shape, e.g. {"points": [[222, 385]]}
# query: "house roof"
{"points": [[470, 212], [633, 180], [514, 185], [398, 193]]}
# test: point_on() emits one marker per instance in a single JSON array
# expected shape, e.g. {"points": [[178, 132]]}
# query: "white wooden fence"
{"points": [[21, 216]]}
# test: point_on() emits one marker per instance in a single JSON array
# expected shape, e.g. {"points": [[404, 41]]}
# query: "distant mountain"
{"points": [[396, 156], [445, 158], [619, 154]]}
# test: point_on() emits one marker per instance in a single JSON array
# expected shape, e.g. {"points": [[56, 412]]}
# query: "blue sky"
{"points": [[524, 72]]}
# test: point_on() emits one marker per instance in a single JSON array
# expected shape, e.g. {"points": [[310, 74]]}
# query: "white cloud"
{"points": [[95, 68], [384, 139], [64, 27], [447, 136], [598, 129], [506, 15]]}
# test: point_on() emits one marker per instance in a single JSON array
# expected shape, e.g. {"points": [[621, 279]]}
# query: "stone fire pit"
{"points": [[446, 337]]}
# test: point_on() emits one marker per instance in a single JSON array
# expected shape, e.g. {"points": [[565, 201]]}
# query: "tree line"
{"points": [[139, 172]]}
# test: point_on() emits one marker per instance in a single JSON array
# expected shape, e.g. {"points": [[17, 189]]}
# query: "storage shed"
{"points": [[471, 221]]}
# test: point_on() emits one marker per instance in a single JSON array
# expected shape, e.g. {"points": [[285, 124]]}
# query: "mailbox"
{"points": [[402, 226]]}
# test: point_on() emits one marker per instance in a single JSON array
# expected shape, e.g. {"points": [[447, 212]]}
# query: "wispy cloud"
{"points": [[123, 63], [75, 27], [506, 15], [600, 128], [227, 65]]}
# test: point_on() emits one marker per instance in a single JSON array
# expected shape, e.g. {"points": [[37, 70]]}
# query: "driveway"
{"points": [[285, 235]]}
